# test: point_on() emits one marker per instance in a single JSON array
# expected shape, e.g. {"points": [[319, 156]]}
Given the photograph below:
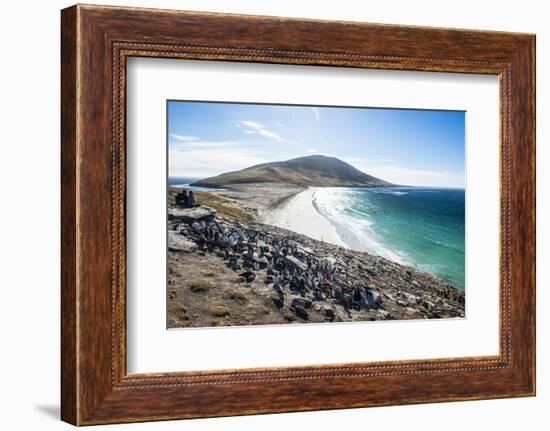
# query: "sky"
{"points": [[407, 147]]}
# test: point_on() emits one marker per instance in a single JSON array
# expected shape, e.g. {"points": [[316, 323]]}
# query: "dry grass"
{"points": [[225, 207], [200, 286]]}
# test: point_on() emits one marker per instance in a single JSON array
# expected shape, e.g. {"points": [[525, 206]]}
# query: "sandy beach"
{"points": [[316, 212], [299, 215]]}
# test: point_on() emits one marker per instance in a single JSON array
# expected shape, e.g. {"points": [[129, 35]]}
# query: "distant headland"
{"points": [[308, 171]]}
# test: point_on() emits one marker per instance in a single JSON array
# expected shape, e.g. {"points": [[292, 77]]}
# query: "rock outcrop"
{"points": [[191, 215], [311, 280]]}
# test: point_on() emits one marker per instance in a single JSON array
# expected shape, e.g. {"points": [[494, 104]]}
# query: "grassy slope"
{"points": [[227, 208]]}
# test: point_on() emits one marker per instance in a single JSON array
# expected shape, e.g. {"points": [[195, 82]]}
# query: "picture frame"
{"points": [[96, 42]]}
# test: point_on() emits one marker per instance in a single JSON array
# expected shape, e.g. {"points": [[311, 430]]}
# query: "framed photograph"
{"points": [[279, 231], [265, 215]]}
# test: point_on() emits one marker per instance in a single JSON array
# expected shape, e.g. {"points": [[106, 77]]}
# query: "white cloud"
{"points": [[312, 150], [408, 176], [201, 159], [255, 128], [183, 138], [251, 124], [208, 161], [316, 113]]}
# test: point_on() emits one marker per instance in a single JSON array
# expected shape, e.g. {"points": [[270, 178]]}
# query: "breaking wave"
{"points": [[354, 227]]}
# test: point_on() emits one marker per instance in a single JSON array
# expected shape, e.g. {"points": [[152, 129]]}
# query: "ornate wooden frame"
{"points": [[96, 41]]}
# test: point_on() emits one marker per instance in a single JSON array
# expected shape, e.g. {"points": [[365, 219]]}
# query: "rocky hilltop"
{"points": [[227, 269], [316, 171]]}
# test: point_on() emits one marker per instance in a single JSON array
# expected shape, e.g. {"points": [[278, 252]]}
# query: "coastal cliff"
{"points": [[226, 268]]}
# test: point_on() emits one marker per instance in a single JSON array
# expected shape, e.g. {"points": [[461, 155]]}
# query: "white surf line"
{"points": [[355, 233], [299, 215]]}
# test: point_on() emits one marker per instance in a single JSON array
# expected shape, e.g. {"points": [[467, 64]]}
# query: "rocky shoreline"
{"points": [[227, 271]]}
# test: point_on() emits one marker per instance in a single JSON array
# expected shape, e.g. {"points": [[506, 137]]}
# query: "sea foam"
{"points": [[352, 226]]}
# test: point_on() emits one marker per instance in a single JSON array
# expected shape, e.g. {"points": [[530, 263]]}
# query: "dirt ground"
{"points": [[203, 292]]}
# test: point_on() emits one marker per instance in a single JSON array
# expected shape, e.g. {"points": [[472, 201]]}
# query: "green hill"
{"points": [[316, 171]]}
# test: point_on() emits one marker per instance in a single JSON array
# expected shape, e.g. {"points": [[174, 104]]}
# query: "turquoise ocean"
{"points": [[420, 227]]}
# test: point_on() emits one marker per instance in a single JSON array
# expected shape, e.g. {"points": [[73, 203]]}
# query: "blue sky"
{"points": [[411, 147]]}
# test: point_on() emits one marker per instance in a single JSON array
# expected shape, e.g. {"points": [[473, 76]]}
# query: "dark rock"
{"points": [[317, 294], [300, 302], [249, 276], [295, 262], [278, 300], [300, 312], [374, 300], [347, 301], [329, 314], [428, 305], [277, 288], [190, 215]]}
